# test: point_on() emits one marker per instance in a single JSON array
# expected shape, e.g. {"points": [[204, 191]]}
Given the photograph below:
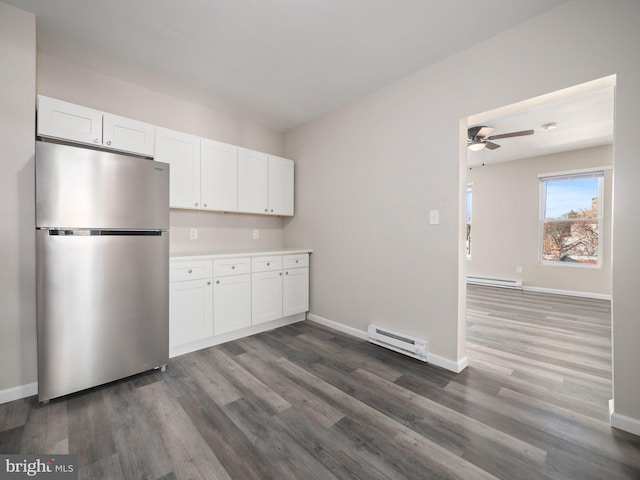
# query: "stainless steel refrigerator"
{"points": [[102, 267]]}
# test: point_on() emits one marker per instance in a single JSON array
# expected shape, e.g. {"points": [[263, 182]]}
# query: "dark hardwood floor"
{"points": [[307, 402]]}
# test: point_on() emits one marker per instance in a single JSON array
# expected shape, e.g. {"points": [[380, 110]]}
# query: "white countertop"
{"points": [[236, 253]]}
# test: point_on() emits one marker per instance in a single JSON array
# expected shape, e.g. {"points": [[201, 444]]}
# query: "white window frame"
{"points": [[545, 178], [469, 219]]}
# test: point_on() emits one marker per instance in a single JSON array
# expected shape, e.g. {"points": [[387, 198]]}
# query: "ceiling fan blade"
{"points": [[484, 131], [491, 145], [480, 131], [512, 134]]}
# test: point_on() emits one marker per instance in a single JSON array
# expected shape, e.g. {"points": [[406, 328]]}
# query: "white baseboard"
{"points": [[622, 422], [571, 293], [447, 364], [227, 337], [437, 360], [354, 332], [16, 393]]}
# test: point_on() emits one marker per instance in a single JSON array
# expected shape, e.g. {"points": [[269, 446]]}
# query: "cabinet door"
{"points": [[219, 176], [231, 303], [182, 152], [253, 177], [266, 296], [295, 291], [128, 135], [280, 186], [68, 121], [191, 311]]}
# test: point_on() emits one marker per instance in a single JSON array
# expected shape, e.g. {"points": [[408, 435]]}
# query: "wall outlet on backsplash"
{"points": [[193, 234], [256, 234]]}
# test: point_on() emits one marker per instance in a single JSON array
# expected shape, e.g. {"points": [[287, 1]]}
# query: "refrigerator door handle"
{"points": [[104, 233]]}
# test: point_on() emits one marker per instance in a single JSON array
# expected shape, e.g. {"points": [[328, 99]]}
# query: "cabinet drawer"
{"points": [[266, 264], [296, 261], [231, 266], [181, 271]]}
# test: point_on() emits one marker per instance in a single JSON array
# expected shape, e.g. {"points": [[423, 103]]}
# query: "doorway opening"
{"points": [[554, 324]]}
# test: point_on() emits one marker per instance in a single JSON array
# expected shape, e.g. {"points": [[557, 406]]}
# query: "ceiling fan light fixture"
{"points": [[476, 146]]}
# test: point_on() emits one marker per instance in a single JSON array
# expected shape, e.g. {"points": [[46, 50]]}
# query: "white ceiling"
{"points": [[584, 119], [279, 63]]}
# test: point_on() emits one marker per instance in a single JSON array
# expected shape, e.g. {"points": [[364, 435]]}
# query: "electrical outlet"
{"points": [[518, 269], [256, 234], [193, 234]]}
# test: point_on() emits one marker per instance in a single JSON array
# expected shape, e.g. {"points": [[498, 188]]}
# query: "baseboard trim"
{"points": [[622, 422], [16, 393], [183, 349], [447, 364], [433, 359], [570, 293], [354, 332]]}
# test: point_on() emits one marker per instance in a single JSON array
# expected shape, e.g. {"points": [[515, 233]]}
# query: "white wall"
{"points": [[372, 170], [17, 207], [60, 79], [506, 223]]}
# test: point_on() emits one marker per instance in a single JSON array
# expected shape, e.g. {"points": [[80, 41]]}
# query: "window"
{"points": [[571, 218], [469, 195]]}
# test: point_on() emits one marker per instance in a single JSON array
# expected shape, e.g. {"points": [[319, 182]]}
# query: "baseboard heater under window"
{"points": [[399, 342], [495, 282]]}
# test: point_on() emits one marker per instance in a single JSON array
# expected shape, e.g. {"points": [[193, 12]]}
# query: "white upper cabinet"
{"points": [[253, 178], [280, 186], [128, 135], [218, 176], [68, 121], [182, 152], [265, 183]]}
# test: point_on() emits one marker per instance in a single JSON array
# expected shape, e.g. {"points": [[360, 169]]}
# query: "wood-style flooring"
{"points": [[307, 402]]}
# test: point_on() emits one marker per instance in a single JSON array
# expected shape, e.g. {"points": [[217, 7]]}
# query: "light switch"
{"points": [[434, 217]]}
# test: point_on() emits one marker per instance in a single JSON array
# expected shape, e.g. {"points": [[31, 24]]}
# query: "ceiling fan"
{"points": [[478, 137]]}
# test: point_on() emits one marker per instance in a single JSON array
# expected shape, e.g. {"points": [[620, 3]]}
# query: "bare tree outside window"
{"points": [[571, 218]]}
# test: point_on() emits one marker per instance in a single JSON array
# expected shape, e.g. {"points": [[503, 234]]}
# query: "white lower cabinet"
{"points": [[280, 287], [216, 296], [190, 302], [266, 297], [231, 295], [295, 291]]}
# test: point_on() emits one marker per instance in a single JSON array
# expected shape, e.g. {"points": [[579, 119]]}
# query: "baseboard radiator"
{"points": [[399, 342], [495, 282]]}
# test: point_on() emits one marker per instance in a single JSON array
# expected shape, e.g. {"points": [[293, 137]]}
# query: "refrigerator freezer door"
{"points": [[82, 188], [103, 309]]}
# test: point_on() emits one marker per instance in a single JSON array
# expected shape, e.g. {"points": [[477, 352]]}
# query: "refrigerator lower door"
{"points": [[103, 309]]}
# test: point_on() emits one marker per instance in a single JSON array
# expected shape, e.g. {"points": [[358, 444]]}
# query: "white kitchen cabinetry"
{"points": [[280, 287], [280, 186], [190, 302], [68, 121], [266, 289], [217, 298], [218, 176], [295, 284], [231, 295], [253, 177], [265, 183], [182, 152]]}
